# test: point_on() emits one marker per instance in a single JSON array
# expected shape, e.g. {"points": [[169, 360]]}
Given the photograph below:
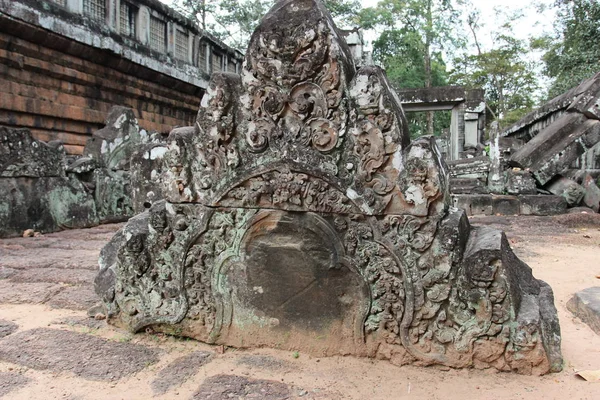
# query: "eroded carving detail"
{"points": [[319, 152]]}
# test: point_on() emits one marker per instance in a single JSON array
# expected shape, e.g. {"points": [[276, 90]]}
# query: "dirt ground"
{"points": [[49, 349]]}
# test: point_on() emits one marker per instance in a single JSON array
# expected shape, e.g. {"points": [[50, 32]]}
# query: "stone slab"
{"points": [[7, 328], [568, 188], [29, 293], [86, 356], [542, 205], [477, 204], [592, 193], [10, 381], [79, 297], [505, 205], [586, 306], [179, 371], [225, 387]]}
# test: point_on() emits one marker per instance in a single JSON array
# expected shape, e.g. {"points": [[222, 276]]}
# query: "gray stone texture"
{"points": [[519, 182], [567, 188], [83, 355], [592, 193], [586, 306], [298, 208], [35, 192], [179, 371]]}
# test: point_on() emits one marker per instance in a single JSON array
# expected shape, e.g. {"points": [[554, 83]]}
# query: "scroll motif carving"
{"points": [[288, 191]]}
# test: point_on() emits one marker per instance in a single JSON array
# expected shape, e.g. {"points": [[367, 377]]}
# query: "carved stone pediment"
{"points": [[299, 215]]}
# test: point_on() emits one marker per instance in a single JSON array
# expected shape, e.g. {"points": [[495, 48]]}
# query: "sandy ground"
{"points": [[50, 350]]}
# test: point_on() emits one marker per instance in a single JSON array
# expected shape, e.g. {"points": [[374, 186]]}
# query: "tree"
{"points": [[504, 71], [573, 50], [233, 21], [414, 34]]}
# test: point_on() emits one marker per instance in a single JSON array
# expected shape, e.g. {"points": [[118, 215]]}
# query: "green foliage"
{"points": [[233, 21], [572, 53], [504, 71], [415, 35]]}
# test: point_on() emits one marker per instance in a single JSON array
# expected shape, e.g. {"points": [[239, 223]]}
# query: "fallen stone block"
{"points": [[567, 188], [554, 149], [542, 205], [505, 205], [592, 193], [519, 182], [586, 306]]}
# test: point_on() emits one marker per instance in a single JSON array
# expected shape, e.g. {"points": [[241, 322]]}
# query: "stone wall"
{"points": [[61, 70]]}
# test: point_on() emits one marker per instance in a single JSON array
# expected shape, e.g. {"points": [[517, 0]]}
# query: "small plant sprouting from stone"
{"points": [[296, 354]]}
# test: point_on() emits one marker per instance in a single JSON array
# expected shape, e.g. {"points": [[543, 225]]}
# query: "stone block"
{"points": [[586, 306], [519, 182], [476, 204], [505, 205], [44, 204], [23, 156], [567, 188], [287, 224], [554, 149], [542, 204], [556, 136], [468, 186], [592, 193]]}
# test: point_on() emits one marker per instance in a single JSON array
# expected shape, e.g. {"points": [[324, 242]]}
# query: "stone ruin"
{"points": [[298, 215], [45, 190], [545, 163]]}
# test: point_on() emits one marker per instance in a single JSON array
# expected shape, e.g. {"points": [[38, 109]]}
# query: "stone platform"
{"points": [[586, 305]]}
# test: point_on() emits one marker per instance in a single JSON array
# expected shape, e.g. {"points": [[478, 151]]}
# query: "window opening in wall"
{"points": [[127, 19], [217, 62], [95, 9], [181, 45], [60, 2], [158, 35], [202, 56], [231, 66]]}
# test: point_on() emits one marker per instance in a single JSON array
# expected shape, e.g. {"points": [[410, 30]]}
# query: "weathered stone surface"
{"points": [[175, 374], [112, 146], [224, 387], [520, 182], [146, 168], [592, 193], [7, 327], [45, 204], [567, 188], [10, 381], [78, 297], [586, 306], [505, 205], [476, 167], [555, 148], [299, 215], [83, 355], [468, 186], [542, 205], [478, 204], [23, 156], [35, 192]]}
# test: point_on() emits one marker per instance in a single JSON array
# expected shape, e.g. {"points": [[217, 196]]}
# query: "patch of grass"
{"points": [[296, 354]]}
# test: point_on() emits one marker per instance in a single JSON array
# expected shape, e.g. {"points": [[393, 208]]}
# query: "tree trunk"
{"points": [[428, 39]]}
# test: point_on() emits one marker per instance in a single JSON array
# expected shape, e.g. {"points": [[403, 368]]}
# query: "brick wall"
{"points": [[61, 96]]}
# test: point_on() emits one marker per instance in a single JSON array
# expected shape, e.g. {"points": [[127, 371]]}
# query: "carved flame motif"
{"points": [[295, 89]]}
